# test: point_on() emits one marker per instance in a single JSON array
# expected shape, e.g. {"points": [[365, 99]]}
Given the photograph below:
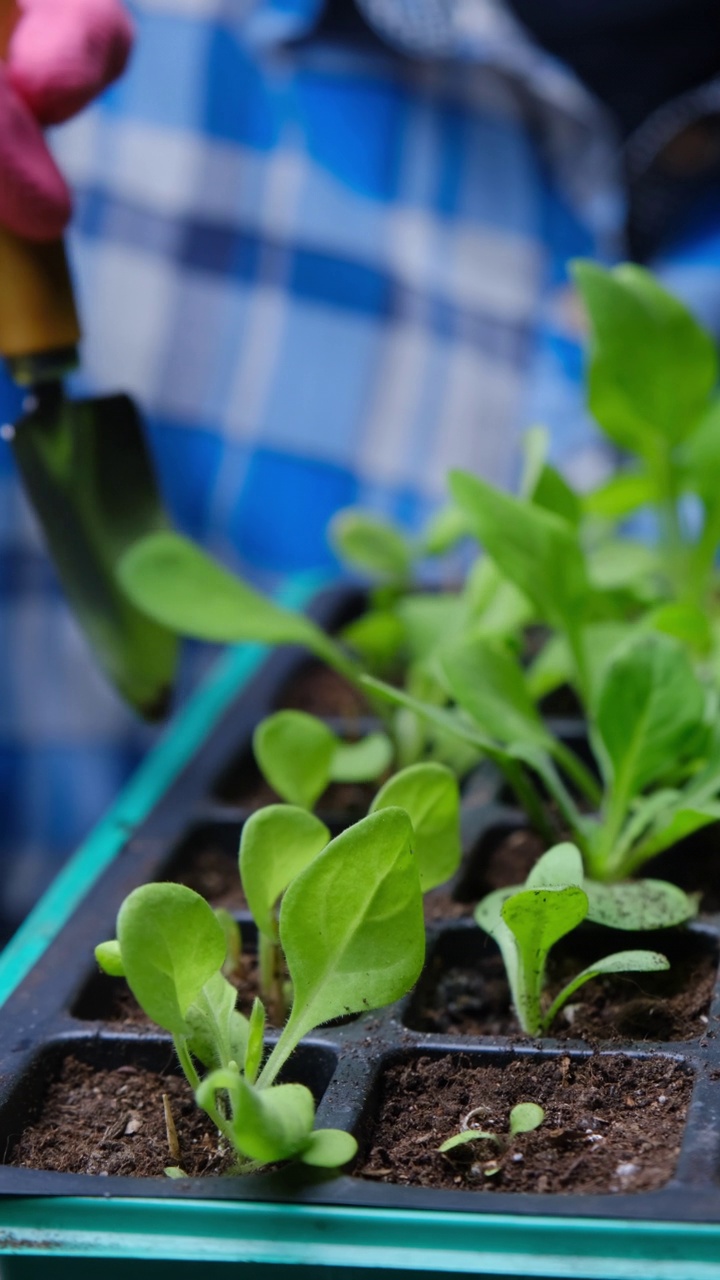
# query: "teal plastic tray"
{"points": [[63, 1237]]}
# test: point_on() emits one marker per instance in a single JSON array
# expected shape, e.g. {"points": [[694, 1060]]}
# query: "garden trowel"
{"points": [[86, 470]]}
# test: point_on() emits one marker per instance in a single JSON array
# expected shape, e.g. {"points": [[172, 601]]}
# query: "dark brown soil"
{"points": [[440, 905], [212, 872], [113, 1123], [611, 1124], [120, 1005], [511, 861], [460, 1000], [321, 691]]}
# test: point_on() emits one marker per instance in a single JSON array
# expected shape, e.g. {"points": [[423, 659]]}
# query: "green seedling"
{"points": [[351, 928], [657, 761], [652, 389], [279, 841], [300, 756], [527, 921], [524, 1117]]}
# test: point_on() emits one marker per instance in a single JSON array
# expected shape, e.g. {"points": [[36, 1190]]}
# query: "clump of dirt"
{"points": [[612, 1124]]}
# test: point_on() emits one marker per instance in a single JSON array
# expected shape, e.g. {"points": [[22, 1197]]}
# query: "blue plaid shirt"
{"points": [[327, 273]]}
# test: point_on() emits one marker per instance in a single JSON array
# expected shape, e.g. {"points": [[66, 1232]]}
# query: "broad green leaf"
{"points": [[686, 622], [267, 1124], [276, 844], [351, 927], [362, 761], [525, 1117], [538, 918], [537, 550], [217, 1032], [553, 493], [488, 683], [560, 866], [294, 751], [428, 620], [430, 796], [443, 531], [109, 958], [624, 493], [620, 563], [652, 365], [638, 904], [171, 945], [368, 543], [329, 1148], [699, 457], [378, 637], [619, 962], [650, 706], [176, 583]]}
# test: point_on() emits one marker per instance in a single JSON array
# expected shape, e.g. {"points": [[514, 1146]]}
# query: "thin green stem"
{"points": [[578, 773], [186, 1062], [528, 796]]}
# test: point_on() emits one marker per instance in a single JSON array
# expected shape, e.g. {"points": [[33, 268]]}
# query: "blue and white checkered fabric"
{"points": [[327, 274]]}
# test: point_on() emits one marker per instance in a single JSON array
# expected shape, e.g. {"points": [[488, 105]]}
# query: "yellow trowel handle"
{"points": [[38, 321]]}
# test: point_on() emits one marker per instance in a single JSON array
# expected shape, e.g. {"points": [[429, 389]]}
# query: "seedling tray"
{"points": [[290, 1218]]}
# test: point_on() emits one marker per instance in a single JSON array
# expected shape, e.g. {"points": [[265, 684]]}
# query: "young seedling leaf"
{"points": [[233, 939], [540, 917], [329, 1149], [109, 958], [538, 551], [560, 866], [360, 904], [488, 683], [624, 493], [377, 637], [165, 974], [430, 796], [176, 583], [295, 751], [444, 530], [370, 544], [277, 843], [553, 493], [254, 1050], [672, 826], [217, 1032], [619, 962], [362, 761], [468, 1135], [653, 366], [267, 1124], [525, 1117], [650, 706], [638, 904]]}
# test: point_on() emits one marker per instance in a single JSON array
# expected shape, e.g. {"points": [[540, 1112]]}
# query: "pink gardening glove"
{"points": [[60, 55]]}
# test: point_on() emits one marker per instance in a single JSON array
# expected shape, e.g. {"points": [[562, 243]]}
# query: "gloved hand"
{"points": [[61, 53]]}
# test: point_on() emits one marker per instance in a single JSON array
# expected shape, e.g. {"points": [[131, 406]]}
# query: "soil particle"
{"points": [[113, 1123], [669, 1006], [612, 1124]]}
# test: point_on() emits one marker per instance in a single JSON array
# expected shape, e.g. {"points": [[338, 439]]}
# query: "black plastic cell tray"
{"points": [[48, 1015]]}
